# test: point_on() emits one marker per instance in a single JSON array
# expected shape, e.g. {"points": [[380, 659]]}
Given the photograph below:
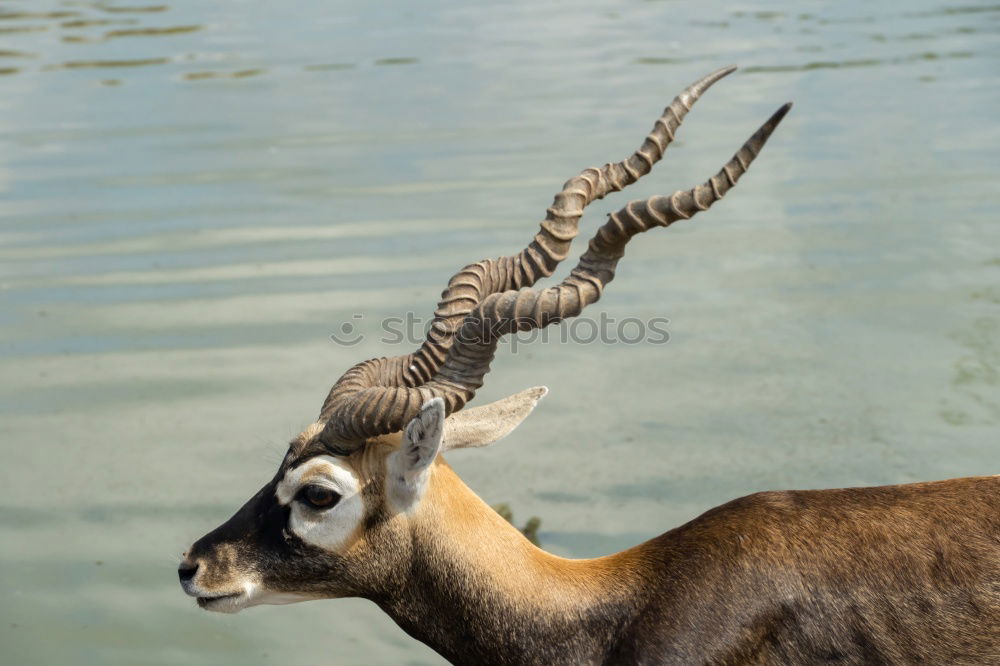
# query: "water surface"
{"points": [[195, 196]]}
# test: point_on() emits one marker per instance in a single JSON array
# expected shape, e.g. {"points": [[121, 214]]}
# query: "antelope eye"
{"points": [[318, 497]]}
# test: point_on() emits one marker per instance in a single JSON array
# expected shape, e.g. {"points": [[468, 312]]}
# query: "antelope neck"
{"points": [[479, 592]]}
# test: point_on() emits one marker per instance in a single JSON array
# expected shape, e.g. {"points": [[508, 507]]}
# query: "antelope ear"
{"points": [[484, 425], [408, 465]]}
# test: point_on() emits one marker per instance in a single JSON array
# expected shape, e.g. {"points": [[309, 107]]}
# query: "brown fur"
{"points": [[898, 574]]}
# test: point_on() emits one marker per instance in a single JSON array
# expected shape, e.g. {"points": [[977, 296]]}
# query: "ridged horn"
{"points": [[373, 409], [469, 286]]}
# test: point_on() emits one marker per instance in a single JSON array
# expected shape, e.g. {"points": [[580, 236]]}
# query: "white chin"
{"points": [[277, 598], [234, 603], [231, 603]]}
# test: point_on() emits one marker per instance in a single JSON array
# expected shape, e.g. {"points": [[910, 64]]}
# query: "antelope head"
{"points": [[364, 486], [336, 522]]}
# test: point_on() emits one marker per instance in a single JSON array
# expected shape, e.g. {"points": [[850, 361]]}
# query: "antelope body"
{"points": [[364, 505]]}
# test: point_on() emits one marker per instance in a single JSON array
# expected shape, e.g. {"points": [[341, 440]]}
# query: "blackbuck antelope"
{"points": [[364, 505]]}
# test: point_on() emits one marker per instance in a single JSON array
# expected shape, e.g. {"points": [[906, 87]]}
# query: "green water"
{"points": [[195, 195]]}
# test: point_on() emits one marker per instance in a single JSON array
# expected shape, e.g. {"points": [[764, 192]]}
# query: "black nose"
{"points": [[186, 570]]}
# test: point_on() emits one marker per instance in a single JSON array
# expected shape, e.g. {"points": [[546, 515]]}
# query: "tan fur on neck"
{"points": [[496, 554]]}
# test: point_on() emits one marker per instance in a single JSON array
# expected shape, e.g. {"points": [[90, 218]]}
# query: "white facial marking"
{"points": [[329, 529]]}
